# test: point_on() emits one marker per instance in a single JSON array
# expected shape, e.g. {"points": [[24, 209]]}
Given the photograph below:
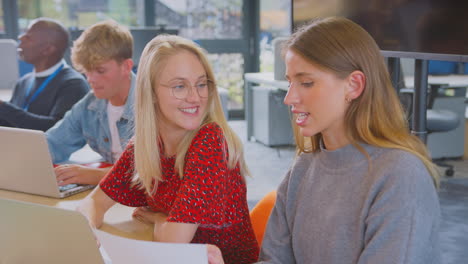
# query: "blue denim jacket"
{"points": [[87, 123]]}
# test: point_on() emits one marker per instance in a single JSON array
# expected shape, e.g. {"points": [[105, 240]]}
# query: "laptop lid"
{"points": [[26, 165], [32, 233]]}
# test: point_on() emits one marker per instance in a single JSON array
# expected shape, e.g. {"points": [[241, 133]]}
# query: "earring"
{"points": [[348, 100]]}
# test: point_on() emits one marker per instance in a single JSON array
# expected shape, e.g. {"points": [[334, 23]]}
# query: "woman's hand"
{"points": [[145, 215], [87, 209], [214, 255], [94, 206], [165, 231]]}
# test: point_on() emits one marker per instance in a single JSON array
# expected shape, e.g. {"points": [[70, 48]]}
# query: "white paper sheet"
{"points": [[124, 251]]}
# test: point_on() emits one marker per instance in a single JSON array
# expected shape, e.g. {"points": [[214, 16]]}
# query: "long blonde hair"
{"points": [[376, 117], [147, 113]]}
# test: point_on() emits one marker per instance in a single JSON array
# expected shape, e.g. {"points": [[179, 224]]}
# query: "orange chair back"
{"points": [[260, 213]]}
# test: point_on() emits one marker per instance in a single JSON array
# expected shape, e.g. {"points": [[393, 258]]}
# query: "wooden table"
{"points": [[117, 221]]}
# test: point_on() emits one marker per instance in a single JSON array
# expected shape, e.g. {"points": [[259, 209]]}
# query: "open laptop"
{"points": [[32, 233], [26, 165]]}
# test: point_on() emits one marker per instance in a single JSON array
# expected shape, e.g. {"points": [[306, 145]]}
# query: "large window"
{"points": [[228, 69], [219, 27], [275, 21], [215, 21], [80, 13], [223, 27], [2, 23], [202, 19]]}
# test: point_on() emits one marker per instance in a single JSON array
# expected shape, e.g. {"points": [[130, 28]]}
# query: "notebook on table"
{"points": [[32, 233], [26, 165]]}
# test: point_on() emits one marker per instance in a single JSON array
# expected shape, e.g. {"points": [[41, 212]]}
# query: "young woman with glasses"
{"points": [[184, 169]]}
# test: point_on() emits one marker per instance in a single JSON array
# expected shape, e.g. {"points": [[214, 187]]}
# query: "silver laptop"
{"points": [[32, 233], [26, 165]]}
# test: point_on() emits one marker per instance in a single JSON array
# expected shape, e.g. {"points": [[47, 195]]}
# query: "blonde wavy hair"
{"points": [[376, 117], [101, 42], [147, 113]]}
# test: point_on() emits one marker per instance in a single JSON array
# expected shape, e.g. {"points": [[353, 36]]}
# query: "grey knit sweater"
{"points": [[333, 208]]}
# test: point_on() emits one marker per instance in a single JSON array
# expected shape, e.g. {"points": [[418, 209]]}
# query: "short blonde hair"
{"points": [[102, 42], [147, 160]]}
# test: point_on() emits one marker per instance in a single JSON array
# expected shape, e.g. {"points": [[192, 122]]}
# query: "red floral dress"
{"points": [[210, 195]]}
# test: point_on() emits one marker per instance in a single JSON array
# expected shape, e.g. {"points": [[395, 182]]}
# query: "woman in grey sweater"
{"points": [[362, 188]]}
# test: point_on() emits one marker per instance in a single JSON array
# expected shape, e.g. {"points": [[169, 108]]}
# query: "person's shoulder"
{"points": [[402, 174], [69, 73], [402, 158], [72, 81], [210, 128], [208, 134], [305, 158], [88, 102], [90, 97], [302, 162], [400, 165]]}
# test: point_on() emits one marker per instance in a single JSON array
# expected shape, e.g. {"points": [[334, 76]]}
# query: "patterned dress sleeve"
{"points": [[117, 183], [200, 198]]}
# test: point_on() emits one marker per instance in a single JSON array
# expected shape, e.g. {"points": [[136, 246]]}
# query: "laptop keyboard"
{"points": [[67, 187]]}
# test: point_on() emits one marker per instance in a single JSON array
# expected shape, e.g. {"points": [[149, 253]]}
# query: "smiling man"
{"points": [[103, 119], [42, 97]]}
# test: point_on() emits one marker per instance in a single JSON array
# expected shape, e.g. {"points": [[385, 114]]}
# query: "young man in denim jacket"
{"points": [[103, 119]]}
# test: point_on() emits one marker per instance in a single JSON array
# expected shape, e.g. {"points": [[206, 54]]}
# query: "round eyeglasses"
{"points": [[182, 88]]}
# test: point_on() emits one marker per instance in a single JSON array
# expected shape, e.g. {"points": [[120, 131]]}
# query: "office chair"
{"points": [[440, 121], [260, 213], [437, 120]]}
